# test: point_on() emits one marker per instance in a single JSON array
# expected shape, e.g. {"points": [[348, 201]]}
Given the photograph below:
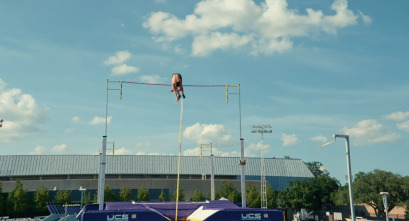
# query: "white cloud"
{"points": [[367, 20], [289, 139], [100, 120], [319, 138], [205, 44], [59, 148], [69, 130], [20, 112], [119, 58], [124, 69], [369, 132], [403, 126], [38, 150], [152, 79], [208, 133], [122, 151], [142, 144], [76, 119], [397, 116], [265, 27]]}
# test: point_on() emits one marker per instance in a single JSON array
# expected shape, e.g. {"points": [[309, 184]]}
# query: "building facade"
{"points": [[156, 173]]}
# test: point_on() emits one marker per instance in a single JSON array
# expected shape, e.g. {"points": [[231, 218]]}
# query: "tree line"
{"points": [[314, 194]]}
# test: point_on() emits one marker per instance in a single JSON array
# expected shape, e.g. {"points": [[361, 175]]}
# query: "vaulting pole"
{"points": [[180, 150]]}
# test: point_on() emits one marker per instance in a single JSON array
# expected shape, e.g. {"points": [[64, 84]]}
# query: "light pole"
{"points": [[262, 129], [82, 193], [212, 169], [385, 203], [351, 194]]}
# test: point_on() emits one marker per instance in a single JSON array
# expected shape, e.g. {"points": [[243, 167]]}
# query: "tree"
{"points": [[2, 202], [109, 195], [87, 198], [41, 197], [125, 193], [341, 196], [63, 197], [18, 202], [229, 192], [162, 196], [197, 196], [368, 185], [272, 197], [143, 194], [253, 197], [181, 195], [317, 169], [311, 194]]}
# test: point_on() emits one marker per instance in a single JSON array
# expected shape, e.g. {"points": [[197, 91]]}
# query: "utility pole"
{"points": [[262, 129]]}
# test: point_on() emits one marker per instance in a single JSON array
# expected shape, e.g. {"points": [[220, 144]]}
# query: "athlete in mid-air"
{"points": [[177, 86]]}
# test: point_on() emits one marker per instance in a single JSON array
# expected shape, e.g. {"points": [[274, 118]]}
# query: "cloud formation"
{"points": [[319, 138], [289, 139], [397, 116], [208, 133], [100, 120], [264, 28], [152, 79], [59, 148], [118, 61], [22, 116], [39, 150], [369, 132]]}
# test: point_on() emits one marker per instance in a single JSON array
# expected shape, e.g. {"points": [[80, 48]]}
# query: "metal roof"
{"points": [[41, 165]]}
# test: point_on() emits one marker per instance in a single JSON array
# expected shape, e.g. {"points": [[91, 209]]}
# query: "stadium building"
{"points": [[156, 173]]}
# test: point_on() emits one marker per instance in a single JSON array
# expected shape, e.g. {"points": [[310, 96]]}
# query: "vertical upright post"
{"points": [[385, 203], [242, 162], [101, 177], [351, 193], [212, 179]]}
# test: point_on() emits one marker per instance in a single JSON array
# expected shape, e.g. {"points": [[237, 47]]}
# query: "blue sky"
{"points": [[307, 68]]}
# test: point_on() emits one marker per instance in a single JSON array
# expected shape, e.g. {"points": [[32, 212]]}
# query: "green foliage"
{"points": [[197, 196], [311, 194], [181, 195], [253, 197], [86, 198], [341, 196], [143, 194], [18, 202], [41, 197], [317, 169], [367, 187], [2, 202], [229, 192], [63, 197], [162, 196], [272, 197], [125, 193], [109, 196]]}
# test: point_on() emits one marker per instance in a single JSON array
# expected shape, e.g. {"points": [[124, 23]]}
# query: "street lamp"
{"points": [[351, 194], [385, 203], [212, 169], [82, 193], [262, 129]]}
